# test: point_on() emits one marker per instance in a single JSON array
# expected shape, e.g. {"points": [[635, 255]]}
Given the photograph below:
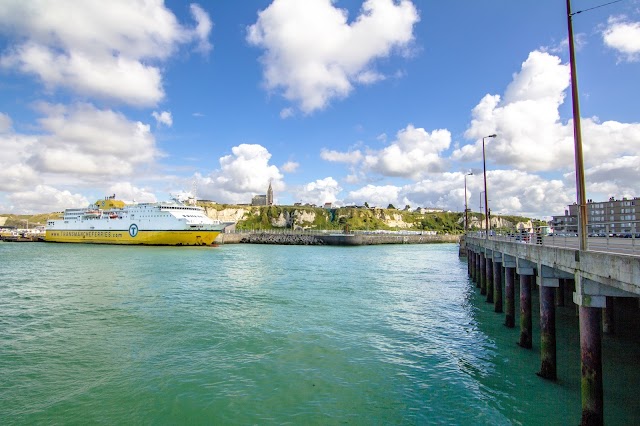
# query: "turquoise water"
{"points": [[253, 334]]}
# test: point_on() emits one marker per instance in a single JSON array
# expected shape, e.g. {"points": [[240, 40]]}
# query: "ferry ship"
{"points": [[111, 221]]}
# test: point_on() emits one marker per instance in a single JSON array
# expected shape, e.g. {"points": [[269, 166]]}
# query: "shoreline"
{"points": [[319, 239]]}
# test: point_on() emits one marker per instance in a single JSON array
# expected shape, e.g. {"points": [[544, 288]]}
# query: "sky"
{"points": [[344, 101]]}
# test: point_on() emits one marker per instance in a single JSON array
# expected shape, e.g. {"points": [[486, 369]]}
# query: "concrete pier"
{"points": [[598, 282]]}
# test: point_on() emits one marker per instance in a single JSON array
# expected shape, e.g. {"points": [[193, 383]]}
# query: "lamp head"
{"points": [[491, 136]]}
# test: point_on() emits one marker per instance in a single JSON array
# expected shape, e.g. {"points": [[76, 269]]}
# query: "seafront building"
{"points": [[603, 217]]}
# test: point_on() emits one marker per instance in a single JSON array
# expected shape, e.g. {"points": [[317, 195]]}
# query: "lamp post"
{"points": [[484, 169], [466, 209], [577, 138]]}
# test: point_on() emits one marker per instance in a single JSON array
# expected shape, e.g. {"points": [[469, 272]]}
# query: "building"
{"points": [[263, 199], [603, 217], [259, 200]]}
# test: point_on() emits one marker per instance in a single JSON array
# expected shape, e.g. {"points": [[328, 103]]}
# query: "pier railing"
{"points": [[629, 245]]}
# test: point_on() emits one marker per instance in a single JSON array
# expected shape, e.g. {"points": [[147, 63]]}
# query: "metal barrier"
{"points": [[623, 245]]}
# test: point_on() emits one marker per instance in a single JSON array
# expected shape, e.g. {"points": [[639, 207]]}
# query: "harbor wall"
{"points": [[332, 239]]}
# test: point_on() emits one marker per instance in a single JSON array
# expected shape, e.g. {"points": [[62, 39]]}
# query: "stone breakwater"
{"points": [[333, 239], [282, 239]]}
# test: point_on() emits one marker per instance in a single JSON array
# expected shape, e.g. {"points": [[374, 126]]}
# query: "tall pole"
{"points": [[486, 198], [466, 209], [577, 137]]}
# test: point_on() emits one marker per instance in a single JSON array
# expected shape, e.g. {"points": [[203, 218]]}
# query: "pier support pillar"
{"points": [[608, 323], [489, 276], [510, 290], [560, 292], [489, 280], [478, 269], [591, 363], [549, 280], [482, 273], [527, 272], [590, 300], [472, 257], [548, 366], [526, 340], [497, 282]]}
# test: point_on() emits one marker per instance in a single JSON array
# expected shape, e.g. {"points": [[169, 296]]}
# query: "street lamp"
{"points": [[484, 169], [466, 210]]}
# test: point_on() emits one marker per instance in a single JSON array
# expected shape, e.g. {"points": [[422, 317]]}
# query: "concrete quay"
{"points": [[596, 280], [332, 239]]}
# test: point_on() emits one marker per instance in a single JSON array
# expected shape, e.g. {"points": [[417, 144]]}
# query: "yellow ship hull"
{"points": [[158, 238]]}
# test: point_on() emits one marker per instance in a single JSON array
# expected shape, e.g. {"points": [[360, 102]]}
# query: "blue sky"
{"points": [[348, 102]]}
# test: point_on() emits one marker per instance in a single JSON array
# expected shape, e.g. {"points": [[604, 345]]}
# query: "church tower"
{"points": [[270, 195]]}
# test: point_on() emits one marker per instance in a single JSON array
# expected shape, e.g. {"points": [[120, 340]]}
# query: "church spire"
{"points": [[270, 195]]}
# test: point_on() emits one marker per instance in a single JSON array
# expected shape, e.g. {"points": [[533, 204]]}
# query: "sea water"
{"points": [[255, 334]]}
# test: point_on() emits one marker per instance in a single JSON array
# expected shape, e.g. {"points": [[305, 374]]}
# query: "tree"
{"points": [[391, 207], [366, 204], [407, 207]]}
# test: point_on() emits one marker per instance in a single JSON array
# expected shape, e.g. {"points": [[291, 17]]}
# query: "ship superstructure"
{"points": [[111, 221]]}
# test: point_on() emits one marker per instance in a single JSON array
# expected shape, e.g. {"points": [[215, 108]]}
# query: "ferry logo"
{"points": [[133, 230]]}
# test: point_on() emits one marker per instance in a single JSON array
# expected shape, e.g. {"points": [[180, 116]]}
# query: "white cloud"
{"points": [[414, 153], [351, 157], [202, 29], [127, 192], [121, 78], [78, 144], [16, 177], [375, 196], [15, 172], [286, 113], [531, 136], [108, 52], [616, 177], [623, 36], [527, 121], [318, 192], [83, 140], [163, 118], [5, 123], [244, 173], [45, 198], [510, 192], [314, 55], [290, 167]]}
